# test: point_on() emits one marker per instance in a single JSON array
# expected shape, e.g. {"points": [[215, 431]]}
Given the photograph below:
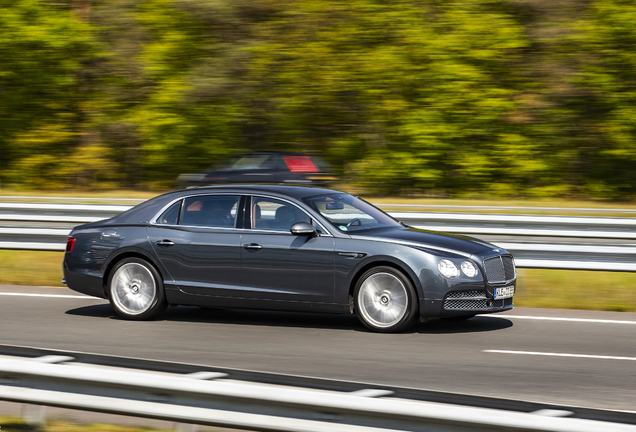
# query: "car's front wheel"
{"points": [[385, 300], [136, 290]]}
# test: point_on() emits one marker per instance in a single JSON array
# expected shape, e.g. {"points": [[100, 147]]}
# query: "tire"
{"points": [[135, 290], [385, 300]]}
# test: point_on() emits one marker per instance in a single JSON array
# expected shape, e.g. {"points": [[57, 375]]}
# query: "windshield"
{"points": [[253, 161], [350, 214]]}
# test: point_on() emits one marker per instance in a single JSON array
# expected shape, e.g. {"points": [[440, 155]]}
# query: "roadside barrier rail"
{"points": [[212, 398], [556, 242]]}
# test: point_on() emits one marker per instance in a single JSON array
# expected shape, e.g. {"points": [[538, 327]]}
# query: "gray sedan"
{"points": [[285, 248]]}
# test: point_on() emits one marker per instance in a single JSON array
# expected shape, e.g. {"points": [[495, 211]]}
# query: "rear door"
{"points": [[199, 243]]}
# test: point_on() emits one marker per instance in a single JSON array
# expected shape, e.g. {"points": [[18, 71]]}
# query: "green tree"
{"points": [[410, 95], [607, 78], [43, 49]]}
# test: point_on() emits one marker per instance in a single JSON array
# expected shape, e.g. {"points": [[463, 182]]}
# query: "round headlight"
{"points": [[469, 269], [448, 268]]}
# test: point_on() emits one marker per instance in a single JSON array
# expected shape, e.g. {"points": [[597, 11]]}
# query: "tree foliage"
{"points": [[415, 96]]}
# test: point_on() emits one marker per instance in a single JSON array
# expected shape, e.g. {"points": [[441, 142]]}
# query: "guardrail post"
{"points": [[34, 415], [186, 427]]}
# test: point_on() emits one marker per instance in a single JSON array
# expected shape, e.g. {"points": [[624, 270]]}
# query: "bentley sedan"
{"points": [[285, 248]]}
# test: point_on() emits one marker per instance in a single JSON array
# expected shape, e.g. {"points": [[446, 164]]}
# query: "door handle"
{"points": [[352, 254], [253, 246], [165, 243]]}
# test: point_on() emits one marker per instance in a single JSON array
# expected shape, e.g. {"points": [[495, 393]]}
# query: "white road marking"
{"points": [[600, 321], [51, 295], [590, 356]]}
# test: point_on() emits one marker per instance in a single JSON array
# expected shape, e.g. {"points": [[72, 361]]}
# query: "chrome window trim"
{"points": [[198, 226], [328, 233], [153, 221]]}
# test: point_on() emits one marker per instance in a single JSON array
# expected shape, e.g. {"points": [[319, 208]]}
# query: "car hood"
{"points": [[464, 245]]}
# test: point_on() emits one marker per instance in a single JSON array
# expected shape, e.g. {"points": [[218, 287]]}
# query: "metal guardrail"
{"points": [[557, 242], [216, 398]]}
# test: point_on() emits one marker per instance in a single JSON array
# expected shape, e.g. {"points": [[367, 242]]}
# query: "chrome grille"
{"points": [[509, 267], [499, 269], [476, 304], [466, 295]]}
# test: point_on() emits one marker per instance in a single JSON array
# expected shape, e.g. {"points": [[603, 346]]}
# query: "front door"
{"points": [[277, 265]]}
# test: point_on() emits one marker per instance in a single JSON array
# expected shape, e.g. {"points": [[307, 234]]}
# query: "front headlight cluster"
{"points": [[449, 269]]}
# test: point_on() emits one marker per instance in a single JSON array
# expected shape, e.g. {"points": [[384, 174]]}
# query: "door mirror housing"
{"points": [[303, 228]]}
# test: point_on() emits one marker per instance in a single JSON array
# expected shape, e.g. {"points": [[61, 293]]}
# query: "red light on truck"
{"points": [[300, 164]]}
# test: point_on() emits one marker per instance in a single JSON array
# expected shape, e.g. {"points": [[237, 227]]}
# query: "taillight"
{"points": [[70, 242], [300, 164]]}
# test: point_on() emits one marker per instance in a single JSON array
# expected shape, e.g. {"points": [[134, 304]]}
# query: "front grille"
{"points": [[476, 304], [499, 269], [466, 295]]}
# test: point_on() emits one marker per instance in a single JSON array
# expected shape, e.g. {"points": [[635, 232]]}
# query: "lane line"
{"points": [[51, 295], [590, 356], [601, 321]]}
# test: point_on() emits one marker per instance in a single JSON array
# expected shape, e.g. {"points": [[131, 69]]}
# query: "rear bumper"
{"points": [[84, 283]]}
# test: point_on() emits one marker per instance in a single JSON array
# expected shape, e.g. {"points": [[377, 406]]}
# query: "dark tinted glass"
{"points": [[210, 210], [275, 215], [170, 216]]}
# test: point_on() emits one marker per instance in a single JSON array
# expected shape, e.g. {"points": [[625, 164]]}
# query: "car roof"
{"points": [[143, 212], [297, 192]]}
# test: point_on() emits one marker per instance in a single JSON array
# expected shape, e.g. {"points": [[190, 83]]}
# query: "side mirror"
{"points": [[303, 228]]}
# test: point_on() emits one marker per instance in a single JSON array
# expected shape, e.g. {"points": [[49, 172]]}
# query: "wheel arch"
{"points": [[112, 262], [403, 268]]}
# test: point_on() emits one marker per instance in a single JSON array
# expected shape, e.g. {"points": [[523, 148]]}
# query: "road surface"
{"points": [[582, 358]]}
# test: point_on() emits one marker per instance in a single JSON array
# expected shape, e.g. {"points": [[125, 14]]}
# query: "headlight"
{"points": [[448, 268], [469, 269]]}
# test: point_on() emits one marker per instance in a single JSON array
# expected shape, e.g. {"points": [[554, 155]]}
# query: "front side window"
{"points": [[275, 215], [210, 211], [350, 214]]}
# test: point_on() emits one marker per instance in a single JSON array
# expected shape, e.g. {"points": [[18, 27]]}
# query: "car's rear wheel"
{"points": [[385, 300], [136, 290]]}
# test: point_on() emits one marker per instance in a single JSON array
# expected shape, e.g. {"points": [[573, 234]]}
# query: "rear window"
{"points": [[171, 216]]}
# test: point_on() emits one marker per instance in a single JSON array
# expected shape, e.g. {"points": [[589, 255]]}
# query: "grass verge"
{"points": [[575, 289], [19, 267], [14, 424], [558, 289]]}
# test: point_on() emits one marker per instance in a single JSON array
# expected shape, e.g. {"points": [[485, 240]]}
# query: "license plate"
{"points": [[505, 292]]}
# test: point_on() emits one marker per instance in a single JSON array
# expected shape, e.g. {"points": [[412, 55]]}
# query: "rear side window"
{"points": [[171, 216], [210, 211]]}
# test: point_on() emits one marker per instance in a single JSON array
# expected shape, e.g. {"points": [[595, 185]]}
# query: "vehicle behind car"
{"points": [[263, 167]]}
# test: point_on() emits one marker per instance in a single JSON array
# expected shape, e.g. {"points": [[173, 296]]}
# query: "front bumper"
{"points": [[460, 303], [474, 302]]}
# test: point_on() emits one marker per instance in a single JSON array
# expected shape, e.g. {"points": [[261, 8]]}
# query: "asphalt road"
{"points": [[582, 358]]}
